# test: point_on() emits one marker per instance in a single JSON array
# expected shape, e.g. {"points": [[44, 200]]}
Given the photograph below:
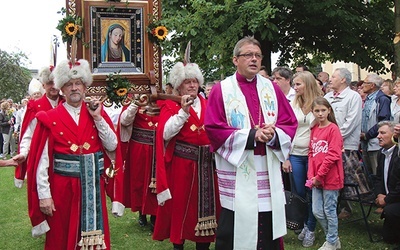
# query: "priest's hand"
{"points": [[265, 133], [47, 206]]}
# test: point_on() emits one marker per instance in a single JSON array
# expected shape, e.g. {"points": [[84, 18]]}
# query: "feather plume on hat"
{"points": [[35, 86], [186, 70]]}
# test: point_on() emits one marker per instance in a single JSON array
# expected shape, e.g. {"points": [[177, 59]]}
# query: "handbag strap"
{"points": [[292, 184]]}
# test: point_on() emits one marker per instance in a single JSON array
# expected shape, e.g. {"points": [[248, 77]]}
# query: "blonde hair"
{"points": [[5, 105], [311, 90]]}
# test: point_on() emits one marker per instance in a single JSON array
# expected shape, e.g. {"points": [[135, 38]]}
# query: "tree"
{"points": [[307, 31], [397, 41], [14, 78]]}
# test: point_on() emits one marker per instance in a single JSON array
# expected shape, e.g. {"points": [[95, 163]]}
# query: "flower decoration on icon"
{"points": [[70, 25], [117, 88], [157, 31]]}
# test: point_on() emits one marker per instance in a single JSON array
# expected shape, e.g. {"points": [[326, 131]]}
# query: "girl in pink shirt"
{"points": [[325, 170]]}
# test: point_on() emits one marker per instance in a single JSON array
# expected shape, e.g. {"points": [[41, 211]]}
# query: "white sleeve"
{"points": [[175, 124], [42, 175], [26, 139], [107, 135], [126, 121]]}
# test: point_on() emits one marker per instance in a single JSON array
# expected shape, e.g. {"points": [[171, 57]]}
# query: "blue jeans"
{"points": [[324, 207], [299, 171]]}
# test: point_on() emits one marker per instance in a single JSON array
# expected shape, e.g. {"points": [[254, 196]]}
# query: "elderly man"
{"points": [[185, 177], [46, 102], [387, 181], [74, 147], [347, 106], [376, 109], [250, 136]]}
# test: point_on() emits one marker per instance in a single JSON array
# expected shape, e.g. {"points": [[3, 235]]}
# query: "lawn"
{"points": [[15, 229]]}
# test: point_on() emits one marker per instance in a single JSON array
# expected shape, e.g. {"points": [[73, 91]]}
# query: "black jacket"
{"points": [[393, 181], [4, 123]]}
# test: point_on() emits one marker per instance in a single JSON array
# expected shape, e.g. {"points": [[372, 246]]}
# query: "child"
{"points": [[325, 170]]}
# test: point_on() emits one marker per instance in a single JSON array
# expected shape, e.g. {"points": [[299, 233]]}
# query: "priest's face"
{"points": [[248, 61], [189, 87], [74, 91]]}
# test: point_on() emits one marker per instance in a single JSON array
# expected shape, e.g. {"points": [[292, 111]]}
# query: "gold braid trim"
{"points": [[92, 240], [206, 226], [153, 185]]}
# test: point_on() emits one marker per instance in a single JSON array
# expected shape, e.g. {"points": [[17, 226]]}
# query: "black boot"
{"points": [[202, 246], [142, 219], [178, 246], [152, 222]]}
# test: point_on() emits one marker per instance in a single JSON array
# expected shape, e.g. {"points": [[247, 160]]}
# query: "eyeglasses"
{"points": [[251, 55]]}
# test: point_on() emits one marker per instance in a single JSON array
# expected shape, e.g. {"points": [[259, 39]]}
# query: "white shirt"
{"points": [[388, 156]]}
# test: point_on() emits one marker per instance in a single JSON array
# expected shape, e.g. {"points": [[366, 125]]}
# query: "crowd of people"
{"points": [[210, 167]]}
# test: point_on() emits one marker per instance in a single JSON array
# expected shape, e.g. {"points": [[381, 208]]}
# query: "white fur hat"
{"points": [[46, 74], [181, 72], [35, 86], [65, 71]]}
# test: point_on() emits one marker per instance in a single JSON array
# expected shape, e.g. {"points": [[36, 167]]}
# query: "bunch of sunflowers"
{"points": [[157, 31], [70, 25], [117, 88]]}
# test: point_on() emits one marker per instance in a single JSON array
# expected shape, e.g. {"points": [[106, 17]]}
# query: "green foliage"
{"points": [[14, 78], [117, 88], [306, 31]]}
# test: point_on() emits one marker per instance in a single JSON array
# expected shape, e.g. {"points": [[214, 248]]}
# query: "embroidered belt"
{"points": [[188, 151], [145, 136], [70, 165]]}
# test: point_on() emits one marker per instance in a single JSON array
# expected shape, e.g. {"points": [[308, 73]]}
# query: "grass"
{"points": [[126, 234]]}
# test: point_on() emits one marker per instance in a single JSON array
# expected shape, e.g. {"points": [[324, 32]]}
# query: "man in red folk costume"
{"points": [[185, 175], [74, 146], [46, 102], [137, 134]]}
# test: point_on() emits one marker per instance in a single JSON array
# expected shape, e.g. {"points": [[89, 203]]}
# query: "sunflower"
{"points": [[121, 91], [71, 29], [117, 88], [161, 32]]}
